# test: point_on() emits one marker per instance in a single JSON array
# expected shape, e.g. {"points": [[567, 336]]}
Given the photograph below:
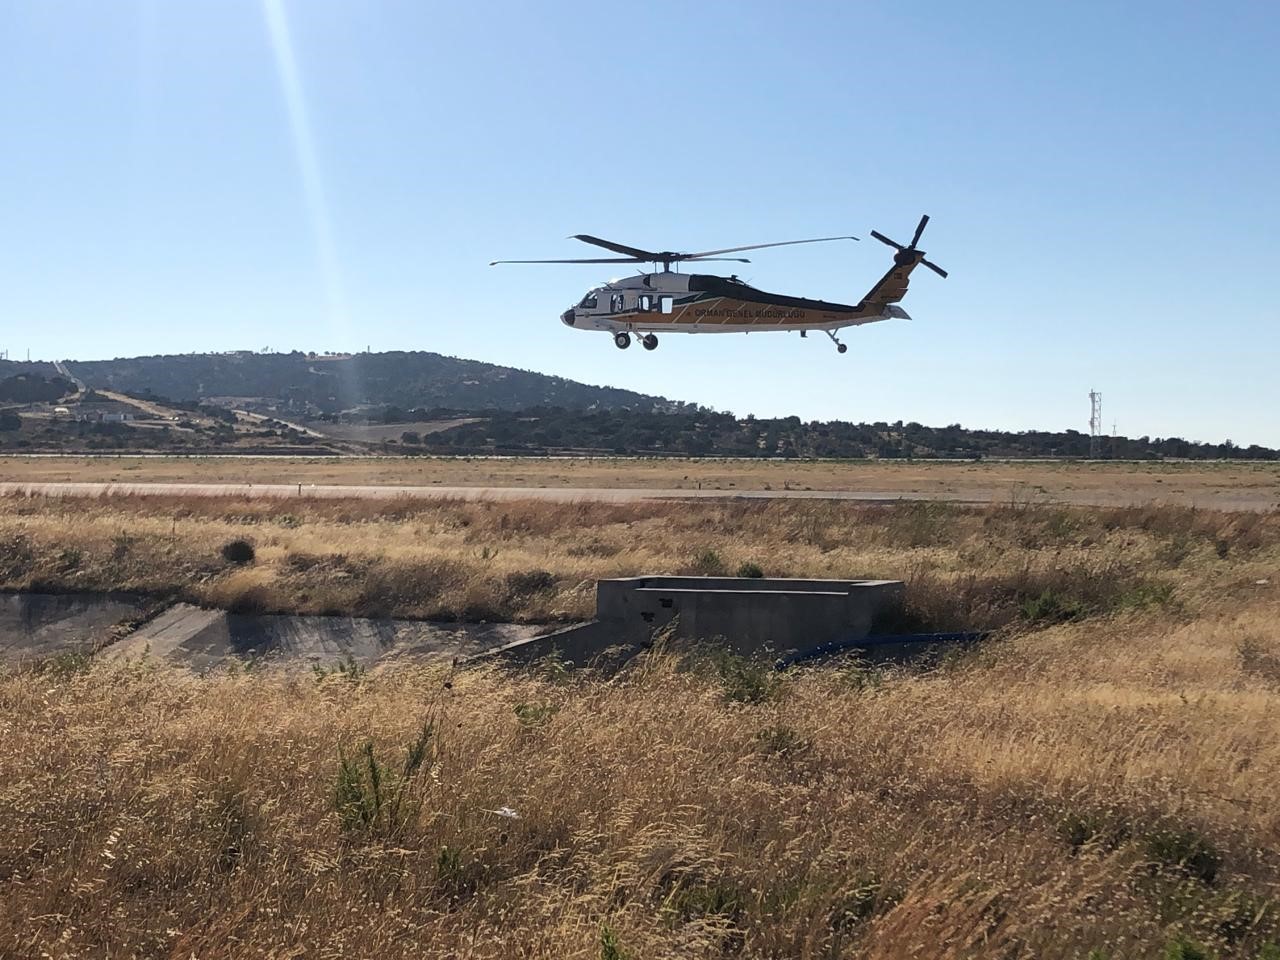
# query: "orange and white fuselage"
{"points": [[701, 303], [672, 302]]}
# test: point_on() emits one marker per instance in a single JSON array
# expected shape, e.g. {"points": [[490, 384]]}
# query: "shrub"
{"points": [[1053, 607], [348, 669], [744, 680], [750, 570], [1079, 829], [450, 872], [526, 582], [238, 551], [16, 557], [1185, 851], [1184, 949], [62, 666], [708, 563], [716, 899]]}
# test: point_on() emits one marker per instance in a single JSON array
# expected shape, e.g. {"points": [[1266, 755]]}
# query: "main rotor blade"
{"points": [[693, 259], [643, 256], [935, 268], [919, 230], [883, 239], [756, 246], [494, 263]]}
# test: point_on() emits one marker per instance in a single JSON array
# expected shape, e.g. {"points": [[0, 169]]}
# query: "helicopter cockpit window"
{"points": [[617, 303], [588, 302]]}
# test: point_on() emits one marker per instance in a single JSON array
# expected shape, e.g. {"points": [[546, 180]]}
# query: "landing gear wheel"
{"points": [[649, 341], [622, 340], [842, 348]]}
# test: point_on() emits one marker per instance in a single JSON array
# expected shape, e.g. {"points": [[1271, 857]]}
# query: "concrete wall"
{"points": [[750, 616], [754, 617]]}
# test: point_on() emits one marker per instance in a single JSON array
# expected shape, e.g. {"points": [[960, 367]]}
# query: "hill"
{"points": [[15, 368], [310, 384], [33, 388]]}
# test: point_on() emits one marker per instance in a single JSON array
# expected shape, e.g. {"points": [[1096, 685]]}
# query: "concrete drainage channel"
{"points": [[781, 619], [35, 627]]}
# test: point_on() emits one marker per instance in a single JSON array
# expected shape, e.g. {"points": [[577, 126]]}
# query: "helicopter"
{"points": [[668, 301]]}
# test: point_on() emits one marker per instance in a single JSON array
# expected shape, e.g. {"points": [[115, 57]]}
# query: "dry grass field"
{"points": [[1229, 486], [1098, 780]]}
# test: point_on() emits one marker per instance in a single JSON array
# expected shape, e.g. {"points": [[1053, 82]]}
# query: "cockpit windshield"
{"points": [[589, 301]]}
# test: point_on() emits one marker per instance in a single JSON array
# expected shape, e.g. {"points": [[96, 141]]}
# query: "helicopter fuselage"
{"points": [[674, 302], [700, 303]]}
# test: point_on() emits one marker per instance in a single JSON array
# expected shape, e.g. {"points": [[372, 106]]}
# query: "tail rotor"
{"points": [[909, 254]]}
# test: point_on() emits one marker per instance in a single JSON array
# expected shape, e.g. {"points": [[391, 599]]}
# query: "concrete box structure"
{"points": [[753, 617], [749, 616]]}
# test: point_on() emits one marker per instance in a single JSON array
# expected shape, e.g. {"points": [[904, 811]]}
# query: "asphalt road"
{"points": [[1248, 500]]}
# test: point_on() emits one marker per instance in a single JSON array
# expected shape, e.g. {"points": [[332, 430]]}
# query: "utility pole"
{"points": [[1095, 424]]}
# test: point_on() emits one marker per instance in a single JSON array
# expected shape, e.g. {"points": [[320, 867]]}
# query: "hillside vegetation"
{"points": [[309, 383], [1097, 781], [695, 432], [447, 405]]}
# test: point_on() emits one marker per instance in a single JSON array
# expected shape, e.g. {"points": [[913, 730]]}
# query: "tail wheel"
{"points": [[622, 340], [842, 348], [649, 341]]}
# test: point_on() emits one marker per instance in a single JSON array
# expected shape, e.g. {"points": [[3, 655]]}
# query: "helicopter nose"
{"points": [[567, 318]]}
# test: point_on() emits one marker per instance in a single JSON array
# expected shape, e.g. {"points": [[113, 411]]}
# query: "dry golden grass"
{"points": [[1107, 783], [1247, 485], [538, 561]]}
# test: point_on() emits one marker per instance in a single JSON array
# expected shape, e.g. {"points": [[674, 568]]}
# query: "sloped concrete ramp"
{"points": [[34, 626], [204, 639]]}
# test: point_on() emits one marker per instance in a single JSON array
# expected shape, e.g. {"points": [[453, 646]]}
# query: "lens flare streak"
{"points": [[308, 165]]}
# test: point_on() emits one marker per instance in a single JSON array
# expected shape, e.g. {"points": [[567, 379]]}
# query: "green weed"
{"points": [[534, 714], [371, 798], [610, 947]]}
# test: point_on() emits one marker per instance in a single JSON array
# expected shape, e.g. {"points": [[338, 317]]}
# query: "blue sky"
{"points": [[1102, 178]]}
